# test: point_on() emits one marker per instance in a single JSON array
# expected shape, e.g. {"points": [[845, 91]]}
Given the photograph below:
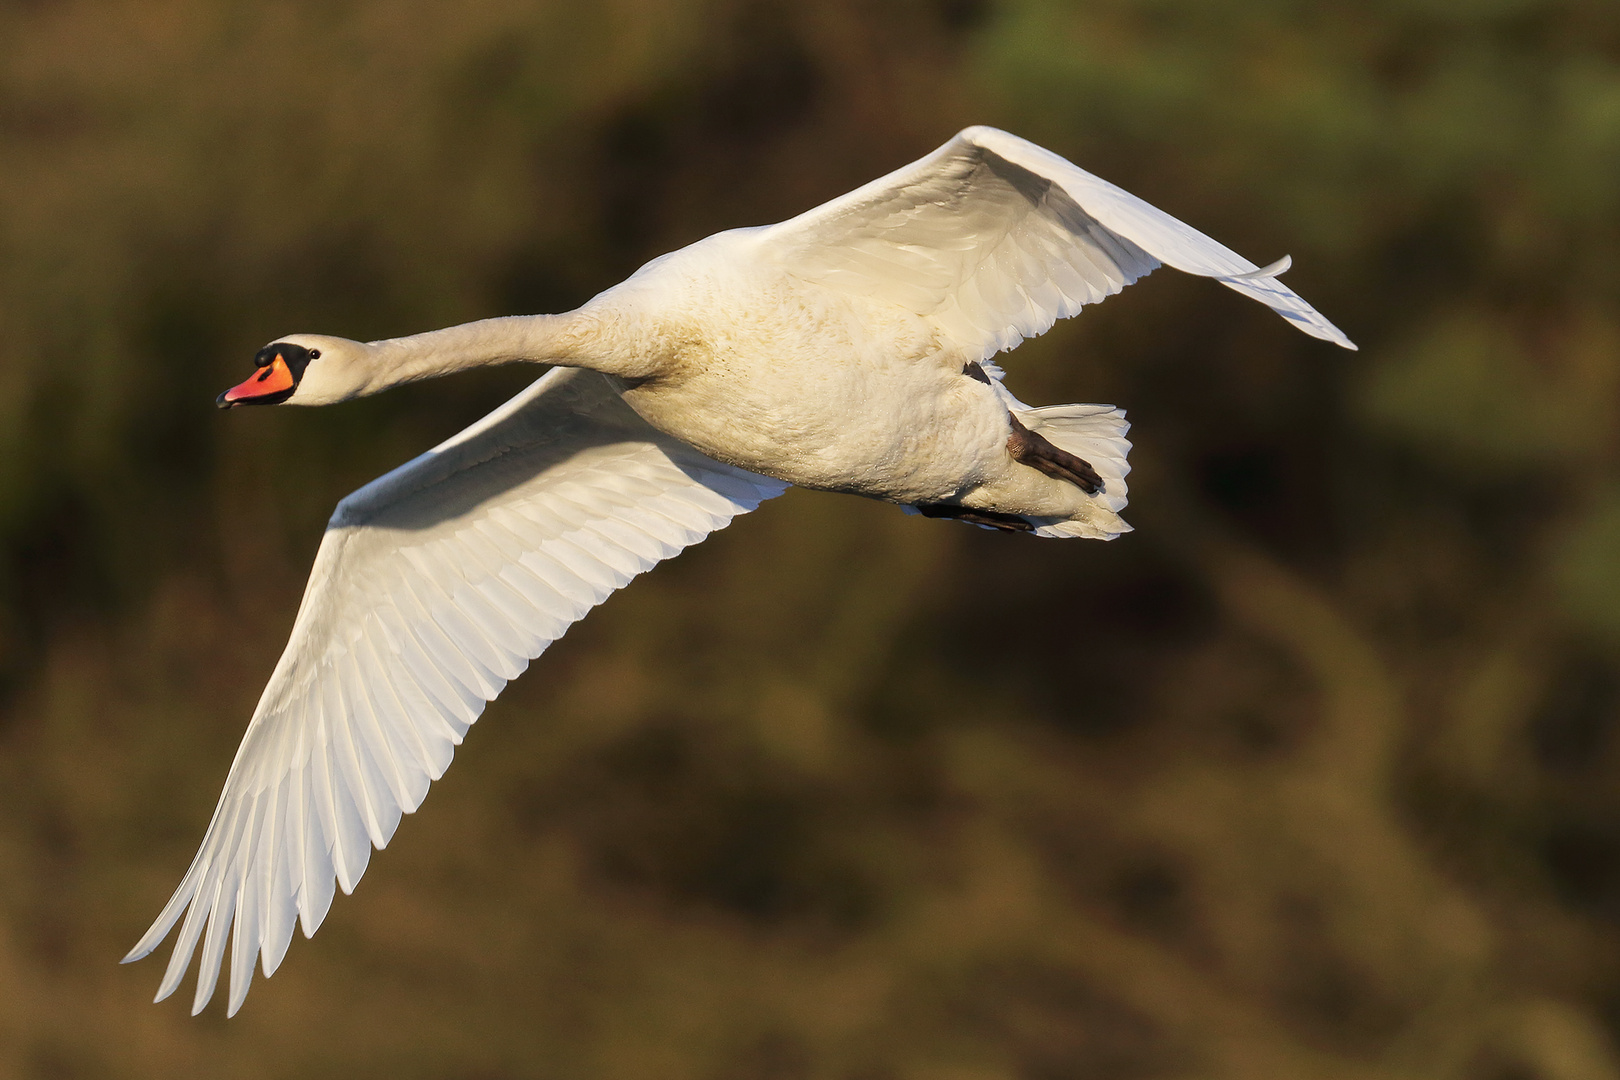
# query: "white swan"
{"points": [[846, 349]]}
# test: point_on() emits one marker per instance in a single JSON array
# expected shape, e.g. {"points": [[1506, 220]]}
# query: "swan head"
{"points": [[303, 369]]}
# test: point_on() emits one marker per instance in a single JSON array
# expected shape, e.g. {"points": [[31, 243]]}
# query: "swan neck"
{"points": [[573, 339]]}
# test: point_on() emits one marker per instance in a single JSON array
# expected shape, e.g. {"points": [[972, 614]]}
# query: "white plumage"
{"points": [[846, 349]]}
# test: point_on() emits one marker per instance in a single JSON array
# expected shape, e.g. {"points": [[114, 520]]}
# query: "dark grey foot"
{"points": [[1007, 522], [1028, 448]]}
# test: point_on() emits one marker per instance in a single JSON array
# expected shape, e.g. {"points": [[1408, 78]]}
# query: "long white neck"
{"points": [[590, 338]]}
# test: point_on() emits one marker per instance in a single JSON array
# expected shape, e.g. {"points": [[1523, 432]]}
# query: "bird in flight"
{"points": [[847, 349]]}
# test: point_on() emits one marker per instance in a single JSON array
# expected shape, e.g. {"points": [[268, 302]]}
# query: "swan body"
{"points": [[847, 349], [815, 387]]}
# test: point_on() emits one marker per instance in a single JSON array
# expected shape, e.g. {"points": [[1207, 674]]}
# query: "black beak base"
{"points": [[280, 367]]}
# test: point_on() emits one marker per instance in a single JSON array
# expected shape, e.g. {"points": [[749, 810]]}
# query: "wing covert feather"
{"points": [[434, 586]]}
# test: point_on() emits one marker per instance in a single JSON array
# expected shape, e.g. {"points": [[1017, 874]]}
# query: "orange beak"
{"points": [[274, 380]]}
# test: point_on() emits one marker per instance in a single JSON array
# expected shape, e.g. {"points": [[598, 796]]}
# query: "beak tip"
{"points": [[222, 402]]}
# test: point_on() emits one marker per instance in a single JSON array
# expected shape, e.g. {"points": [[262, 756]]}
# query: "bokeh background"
{"points": [[1316, 775]]}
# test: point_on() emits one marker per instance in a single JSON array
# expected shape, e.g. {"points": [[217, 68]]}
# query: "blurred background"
{"points": [[1314, 775]]}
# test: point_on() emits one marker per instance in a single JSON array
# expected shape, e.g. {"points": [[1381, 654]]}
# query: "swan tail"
{"points": [[1095, 433]]}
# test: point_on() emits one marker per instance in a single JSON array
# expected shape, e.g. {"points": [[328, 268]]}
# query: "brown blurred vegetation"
{"points": [[1315, 775]]}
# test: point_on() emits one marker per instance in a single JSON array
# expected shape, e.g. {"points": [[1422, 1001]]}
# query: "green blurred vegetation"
{"points": [[1315, 775]]}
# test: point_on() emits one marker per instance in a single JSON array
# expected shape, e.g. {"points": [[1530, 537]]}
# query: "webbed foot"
{"points": [[1028, 448]]}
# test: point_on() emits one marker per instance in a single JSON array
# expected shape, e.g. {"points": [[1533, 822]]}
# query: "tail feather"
{"points": [[1093, 432]]}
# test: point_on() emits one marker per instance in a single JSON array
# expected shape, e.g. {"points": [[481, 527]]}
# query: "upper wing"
{"points": [[434, 586], [996, 239]]}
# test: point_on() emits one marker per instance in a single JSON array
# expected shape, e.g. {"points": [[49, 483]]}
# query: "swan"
{"points": [[847, 349]]}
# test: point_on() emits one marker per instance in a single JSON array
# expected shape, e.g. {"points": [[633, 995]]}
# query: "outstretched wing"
{"points": [[434, 586], [995, 239]]}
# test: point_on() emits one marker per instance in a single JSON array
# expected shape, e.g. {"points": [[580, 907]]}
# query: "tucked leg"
{"points": [[992, 518], [1028, 448]]}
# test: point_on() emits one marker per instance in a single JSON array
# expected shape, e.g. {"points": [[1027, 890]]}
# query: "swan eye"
{"points": [[314, 354]]}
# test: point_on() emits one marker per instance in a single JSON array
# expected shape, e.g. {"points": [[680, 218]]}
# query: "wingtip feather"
{"points": [[1270, 270]]}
